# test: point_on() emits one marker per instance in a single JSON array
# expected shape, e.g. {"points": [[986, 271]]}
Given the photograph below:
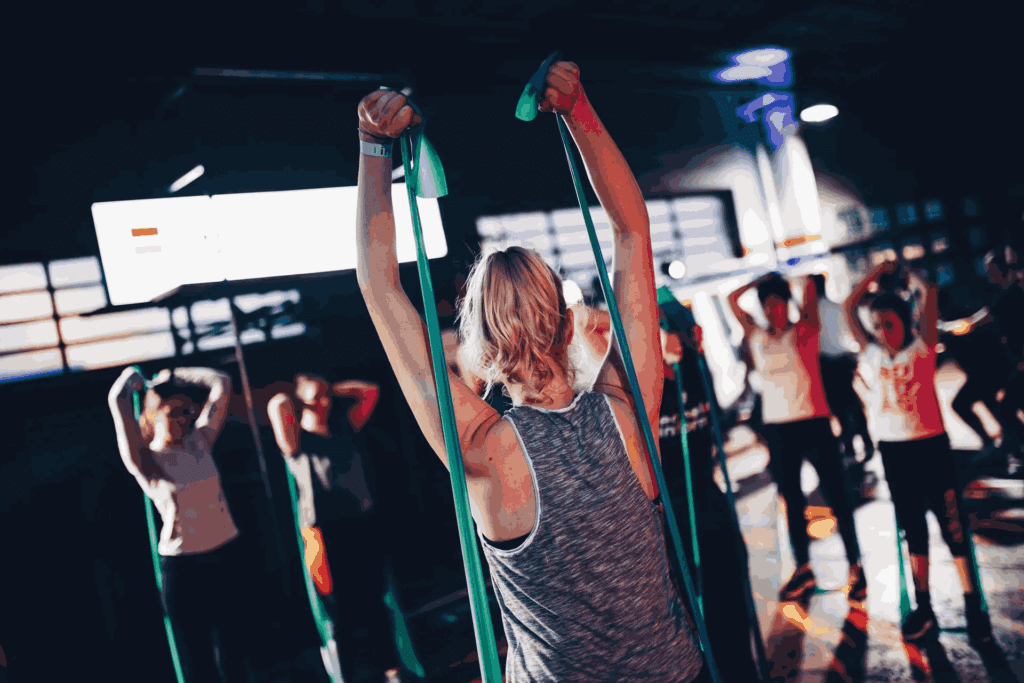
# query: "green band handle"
{"points": [[487, 649], [652, 450], [154, 551], [689, 485]]}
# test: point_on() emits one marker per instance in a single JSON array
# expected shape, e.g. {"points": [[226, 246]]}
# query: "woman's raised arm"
{"points": [[632, 264], [384, 116], [129, 439]]}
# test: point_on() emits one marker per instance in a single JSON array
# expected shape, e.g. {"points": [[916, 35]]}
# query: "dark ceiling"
{"points": [[925, 94]]}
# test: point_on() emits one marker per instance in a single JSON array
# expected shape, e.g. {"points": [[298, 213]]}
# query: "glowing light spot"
{"points": [[819, 113], [676, 270], [769, 56], [572, 293], [743, 72]]}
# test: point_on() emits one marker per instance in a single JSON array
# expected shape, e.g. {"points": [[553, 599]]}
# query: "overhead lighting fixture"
{"points": [[818, 113], [676, 270], [743, 72], [184, 180], [769, 56]]}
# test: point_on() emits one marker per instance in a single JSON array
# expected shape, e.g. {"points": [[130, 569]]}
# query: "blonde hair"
{"points": [[513, 321]]}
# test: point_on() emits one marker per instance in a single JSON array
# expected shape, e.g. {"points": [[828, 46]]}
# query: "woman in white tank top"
{"points": [[796, 422], [168, 451], [897, 364]]}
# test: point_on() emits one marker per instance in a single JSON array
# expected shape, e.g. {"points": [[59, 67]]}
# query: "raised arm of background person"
{"points": [[809, 307], [215, 413], [403, 333], [366, 395], [632, 262], [129, 439], [852, 302], [929, 320], [746, 320], [281, 413]]}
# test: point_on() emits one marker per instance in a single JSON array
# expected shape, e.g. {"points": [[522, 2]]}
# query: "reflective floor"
{"points": [[829, 641]]}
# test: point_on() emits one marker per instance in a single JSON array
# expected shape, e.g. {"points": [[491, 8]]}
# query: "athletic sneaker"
{"points": [[800, 585], [979, 627], [920, 624], [858, 584]]}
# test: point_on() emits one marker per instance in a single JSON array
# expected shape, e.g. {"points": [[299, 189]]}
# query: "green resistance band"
{"points": [[620, 336], [406, 649], [424, 177], [905, 608], [681, 320], [151, 524], [689, 485], [324, 625]]}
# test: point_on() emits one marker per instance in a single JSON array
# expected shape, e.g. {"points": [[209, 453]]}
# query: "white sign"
{"points": [[150, 246]]}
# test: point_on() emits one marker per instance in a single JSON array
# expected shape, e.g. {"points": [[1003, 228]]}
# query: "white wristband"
{"points": [[373, 149]]}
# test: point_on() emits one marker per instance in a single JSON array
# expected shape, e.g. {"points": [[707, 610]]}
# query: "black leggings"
{"points": [[922, 477], [202, 595], [356, 553], [789, 444]]}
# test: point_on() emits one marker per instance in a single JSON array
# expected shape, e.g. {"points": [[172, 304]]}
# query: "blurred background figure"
{"points": [[796, 422], [346, 545], [723, 566], [838, 364], [898, 364], [1006, 271], [168, 450]]}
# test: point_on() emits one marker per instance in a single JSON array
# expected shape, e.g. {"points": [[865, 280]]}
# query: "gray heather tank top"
{"points": [[588, 595]]}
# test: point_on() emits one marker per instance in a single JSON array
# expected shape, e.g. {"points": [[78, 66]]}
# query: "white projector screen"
{"points": [[150, 246]]}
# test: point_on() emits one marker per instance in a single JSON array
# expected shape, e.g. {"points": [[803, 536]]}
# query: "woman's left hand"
{"points": [[386, 114]]}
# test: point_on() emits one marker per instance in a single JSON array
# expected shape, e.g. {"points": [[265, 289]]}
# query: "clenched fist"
{"points": [[386, 114], [562, 88]]}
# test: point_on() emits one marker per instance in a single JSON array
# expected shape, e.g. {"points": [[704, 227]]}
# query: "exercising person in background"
{"points": [[1005, 270], [562, 488], [723, 552], [898, 368], [169, 452], [337, 517], [796, 422], [838, 363]]}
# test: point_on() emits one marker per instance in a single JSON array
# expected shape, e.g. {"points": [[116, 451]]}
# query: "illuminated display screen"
{"points": [[151, 246]]}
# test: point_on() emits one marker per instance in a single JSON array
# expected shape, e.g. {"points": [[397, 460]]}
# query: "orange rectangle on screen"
{"points": [[139, 232]]}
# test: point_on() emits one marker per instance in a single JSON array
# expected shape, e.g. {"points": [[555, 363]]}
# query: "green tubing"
{"points": [[487, 649], [748, 593], [905, 608], [627, 361], [689, 485], [972, 559], [323, 623], [153, 549]]}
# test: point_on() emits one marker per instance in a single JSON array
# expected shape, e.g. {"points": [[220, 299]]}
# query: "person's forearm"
{"points": [[609, 174], [375, 228]]}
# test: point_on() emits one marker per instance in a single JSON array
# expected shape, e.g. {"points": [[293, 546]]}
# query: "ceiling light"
{"points": [[676, 270], [186, 179], [769, 56], [819, 112], [743, 72]]}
